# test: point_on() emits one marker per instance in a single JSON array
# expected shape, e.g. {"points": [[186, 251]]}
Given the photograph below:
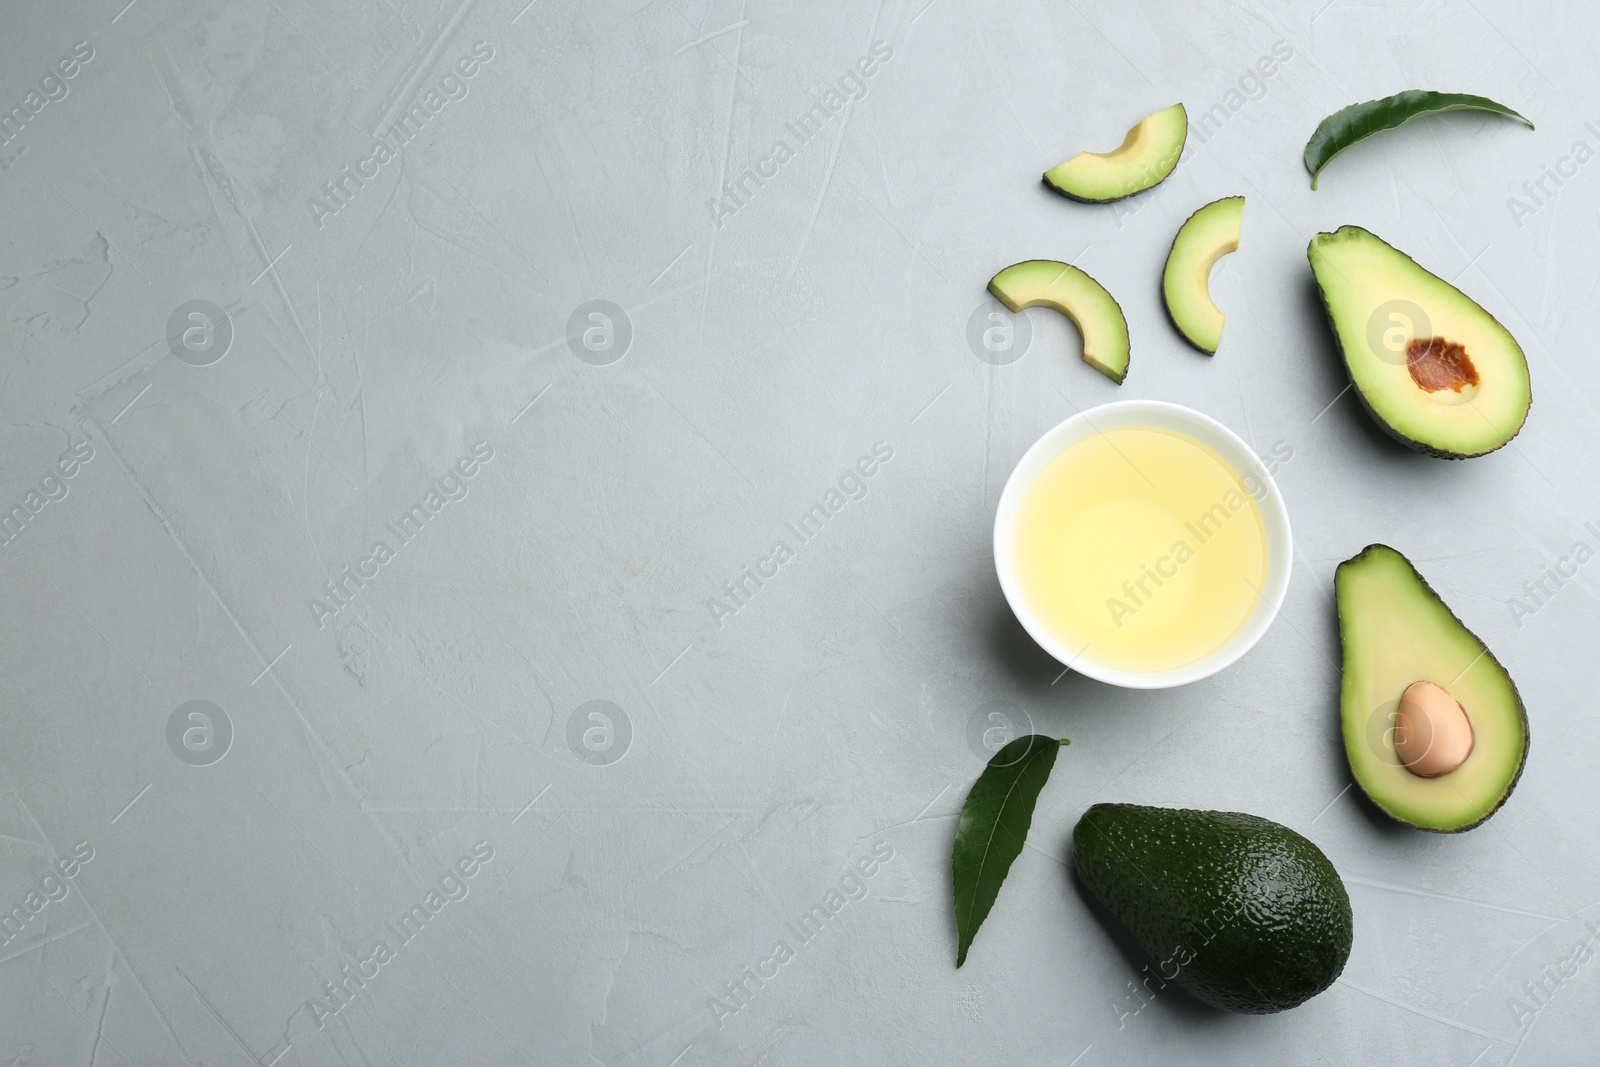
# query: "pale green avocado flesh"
{"points": [[1146, 156], [1208, 235], [1064, 288], [1397, 631], [1430, 365]]}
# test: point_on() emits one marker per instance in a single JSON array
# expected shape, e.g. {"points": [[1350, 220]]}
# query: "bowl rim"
{"points": [[1208, 431]]}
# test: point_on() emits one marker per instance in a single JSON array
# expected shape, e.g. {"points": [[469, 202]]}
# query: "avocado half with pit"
{"points": [[1146, 157], [1205, 237], [1434, 729], [1430, 365], [1064, 288]]}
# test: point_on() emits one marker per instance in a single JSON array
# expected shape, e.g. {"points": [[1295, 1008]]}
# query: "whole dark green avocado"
{"points": [[1242, 912]]}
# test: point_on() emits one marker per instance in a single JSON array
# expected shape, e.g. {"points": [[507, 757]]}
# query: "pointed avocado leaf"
{"points": [[993, 826], [1357, 122]]}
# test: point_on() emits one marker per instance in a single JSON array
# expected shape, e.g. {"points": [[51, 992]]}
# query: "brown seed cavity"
{"points": [[1436, 364]]}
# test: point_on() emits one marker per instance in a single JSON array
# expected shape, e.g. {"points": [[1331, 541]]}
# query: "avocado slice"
{"points": [[1146, 157], [1396, 632], [1242, 912], [1435, 370], [1205, 237], [1064, 288]]}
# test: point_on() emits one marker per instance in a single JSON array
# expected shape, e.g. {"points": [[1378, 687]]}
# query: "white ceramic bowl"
{"points": [[1202, 428]]}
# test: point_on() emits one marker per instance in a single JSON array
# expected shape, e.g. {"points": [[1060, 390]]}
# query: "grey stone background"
{"points": [[629, 860]]}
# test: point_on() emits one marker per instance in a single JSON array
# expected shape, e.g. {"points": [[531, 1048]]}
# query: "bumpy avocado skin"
{"points": [[1347, 626], [1393, 431], [1242, 912]]}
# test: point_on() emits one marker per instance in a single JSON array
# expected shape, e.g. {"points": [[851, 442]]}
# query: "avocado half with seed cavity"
{"points": [[1205, 237], [1430, 365], [1398, 636], [1146, 156], [1064, 288]]}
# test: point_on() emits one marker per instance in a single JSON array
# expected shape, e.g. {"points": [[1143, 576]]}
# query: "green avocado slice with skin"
{"points": [[1430, 365], [1064, 288], [1396, 631], [1146, 156], [1242, 912], [1208, 235]]}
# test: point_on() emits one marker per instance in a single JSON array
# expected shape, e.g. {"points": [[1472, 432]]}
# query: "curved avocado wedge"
{"points": [[1431, 366], [1146, 157], [1208, 235], [1064, 288], [1396, 632]]}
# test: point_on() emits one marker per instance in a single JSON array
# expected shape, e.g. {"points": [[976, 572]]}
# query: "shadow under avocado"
{"points": [[1379, 819], [1334, 376], [1328, 365]]}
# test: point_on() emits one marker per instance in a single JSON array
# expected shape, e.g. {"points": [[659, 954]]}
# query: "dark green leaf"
{"points": [[993, 825], [1357, 122]]}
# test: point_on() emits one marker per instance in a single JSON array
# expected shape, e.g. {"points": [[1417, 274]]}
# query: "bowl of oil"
{"points": [[1143, 544]]}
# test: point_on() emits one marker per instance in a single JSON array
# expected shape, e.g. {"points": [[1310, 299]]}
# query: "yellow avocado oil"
{"points": [[1141, 548]]}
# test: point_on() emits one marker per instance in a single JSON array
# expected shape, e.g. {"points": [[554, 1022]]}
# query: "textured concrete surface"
{"points": [[312, 419]]}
